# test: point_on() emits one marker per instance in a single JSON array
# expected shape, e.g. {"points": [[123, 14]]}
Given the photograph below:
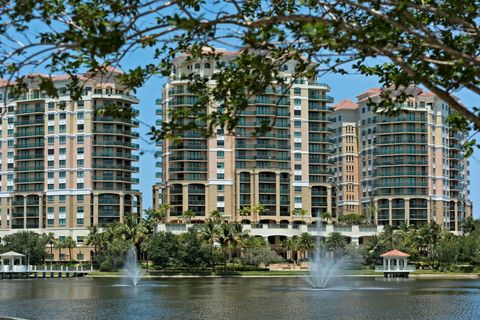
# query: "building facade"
{"points": [[283, 176], [410, 168], [64, 164], [405, 168]]}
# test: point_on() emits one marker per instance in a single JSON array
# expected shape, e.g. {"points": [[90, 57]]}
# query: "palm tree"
{"points": [[326, 216], [290, 245], [238, 239], [259, 210], [69, 243], [301, 212], [245, 211], [158, 215], [225, 238], [188, 215], [306, 242], [59, 244], [94, 238], [49, 238], [468, 225], [134, 231], [209, 233], [216, 215], [336, 244]]}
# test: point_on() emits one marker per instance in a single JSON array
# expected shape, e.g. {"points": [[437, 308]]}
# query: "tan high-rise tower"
{"points": [[65, 166], [283, 176], [411, 166]]}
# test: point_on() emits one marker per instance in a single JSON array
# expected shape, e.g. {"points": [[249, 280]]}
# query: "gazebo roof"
{"points": [[395, 254], [11, 254]]}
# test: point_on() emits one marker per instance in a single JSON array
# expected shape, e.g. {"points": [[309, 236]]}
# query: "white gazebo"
{"points": [[12, 262], [395, 264]]}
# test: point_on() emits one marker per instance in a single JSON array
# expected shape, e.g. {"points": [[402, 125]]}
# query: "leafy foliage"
{"points": [[29, 243], [427, 42]]}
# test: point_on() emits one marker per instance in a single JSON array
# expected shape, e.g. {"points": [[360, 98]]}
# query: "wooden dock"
{"points": [[22, 272]]}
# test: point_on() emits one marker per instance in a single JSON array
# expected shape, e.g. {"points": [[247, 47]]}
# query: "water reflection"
{"points": [[239, 298]]}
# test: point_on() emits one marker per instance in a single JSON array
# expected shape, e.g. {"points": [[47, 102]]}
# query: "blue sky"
{"points": [[343, 87]]}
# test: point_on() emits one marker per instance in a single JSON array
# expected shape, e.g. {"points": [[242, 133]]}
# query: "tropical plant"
{"points": [[49, 239], [163, 249], [239, 236], [60, 244], [216, 215], [336, 244], [225, 238], [326, 216], [290, 245], [301, 212], [468, 225], [337, 36], [69, 244], [94, 238], [29, 243], [305, 243], [209, 232], [188, 215]]}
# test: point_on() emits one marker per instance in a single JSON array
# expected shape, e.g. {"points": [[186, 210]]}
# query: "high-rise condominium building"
{"points": [[283, 176], [64, 164], [408, 168]]}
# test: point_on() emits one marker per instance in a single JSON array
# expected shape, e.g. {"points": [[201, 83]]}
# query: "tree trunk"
{"points": [[70, 253], [225, 260]]}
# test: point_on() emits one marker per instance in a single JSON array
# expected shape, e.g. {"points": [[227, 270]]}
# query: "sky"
{"points": [[343, 87]]}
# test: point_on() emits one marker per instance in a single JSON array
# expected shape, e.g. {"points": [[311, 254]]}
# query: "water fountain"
{"points": [[131, 268], [322, 266]]}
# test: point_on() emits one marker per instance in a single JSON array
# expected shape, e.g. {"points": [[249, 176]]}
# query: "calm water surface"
{"points": [[240, 298]]}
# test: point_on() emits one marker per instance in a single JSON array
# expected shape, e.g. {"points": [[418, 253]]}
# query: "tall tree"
{"points": [[209, 232], [427, 42], [69, 244]]}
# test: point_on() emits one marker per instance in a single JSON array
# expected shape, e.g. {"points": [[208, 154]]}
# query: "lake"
{"points": [[239, 298]]}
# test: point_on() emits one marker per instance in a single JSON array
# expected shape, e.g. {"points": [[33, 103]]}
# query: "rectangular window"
{"points": [[80, 139], [80, 150], [80, 198], [51, 140], [62, 186], [220, 176], [62, 139], [80, 185], [51, 129], [80, 162], [63, 128], [220, 154], [63, 199]]}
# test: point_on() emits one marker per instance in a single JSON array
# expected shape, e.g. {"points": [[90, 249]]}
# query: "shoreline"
{"points": [[426, 276]]}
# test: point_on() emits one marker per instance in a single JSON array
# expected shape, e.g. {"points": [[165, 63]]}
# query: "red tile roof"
{"points": [[395, 253], [345, 104]]}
